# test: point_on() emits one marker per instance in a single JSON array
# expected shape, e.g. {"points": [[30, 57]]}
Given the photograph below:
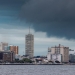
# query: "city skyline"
{"points": [[51, 23]]}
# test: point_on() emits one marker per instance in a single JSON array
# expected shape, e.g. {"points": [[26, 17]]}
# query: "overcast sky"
{"points": [[52, 22]]}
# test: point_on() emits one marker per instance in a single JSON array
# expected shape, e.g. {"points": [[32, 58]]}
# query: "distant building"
{"points": [[1, 56], [29, 45], [7, 56], [72, 58], [53, 57], [14, 49], [57, 57], [64, 51], [18, 57], [49, 56], [3, 46]]}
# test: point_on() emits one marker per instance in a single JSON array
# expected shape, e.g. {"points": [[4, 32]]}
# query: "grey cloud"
{"points": [[11, 4], [56, 17], [49, 10]]}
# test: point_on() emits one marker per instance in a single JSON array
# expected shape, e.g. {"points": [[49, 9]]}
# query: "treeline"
{"points": [[25, 60]]}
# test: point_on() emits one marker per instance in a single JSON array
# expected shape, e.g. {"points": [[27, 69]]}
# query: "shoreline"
{"points": [[34, 64], [26, 64]]}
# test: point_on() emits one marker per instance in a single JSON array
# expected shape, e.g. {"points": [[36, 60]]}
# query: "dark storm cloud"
{"points": [[56, 17], [10, 8], [49, 10], [11, 4]]}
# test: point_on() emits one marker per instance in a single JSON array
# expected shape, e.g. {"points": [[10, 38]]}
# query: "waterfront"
{"points": [[37, 69]]}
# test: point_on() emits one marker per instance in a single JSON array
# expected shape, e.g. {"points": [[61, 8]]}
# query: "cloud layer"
{"points": [[41, 41], [49, 10], [56, 17]]}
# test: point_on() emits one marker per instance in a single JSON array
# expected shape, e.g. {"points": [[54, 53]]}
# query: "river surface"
{"points": [[37, 69]]}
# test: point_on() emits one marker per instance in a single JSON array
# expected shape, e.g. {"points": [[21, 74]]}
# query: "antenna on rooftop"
{"points": [[29, 29]]}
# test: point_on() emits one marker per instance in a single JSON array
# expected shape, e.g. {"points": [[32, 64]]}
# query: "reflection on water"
{"points": [[37, 69]]}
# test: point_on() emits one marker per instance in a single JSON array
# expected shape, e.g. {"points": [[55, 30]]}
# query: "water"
{"points": [[37, 69]]}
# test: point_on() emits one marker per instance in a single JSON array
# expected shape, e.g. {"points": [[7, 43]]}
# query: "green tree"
{"points": [[26, 60]]}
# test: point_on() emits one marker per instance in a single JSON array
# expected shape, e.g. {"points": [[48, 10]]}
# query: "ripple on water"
{"points": [[37, 70]]}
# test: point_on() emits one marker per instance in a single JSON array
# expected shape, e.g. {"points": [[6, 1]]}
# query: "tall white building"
{"points": [[49, 55], [3, 46], [29, 45]]}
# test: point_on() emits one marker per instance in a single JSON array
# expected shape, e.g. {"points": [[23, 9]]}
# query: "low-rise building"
{"points": [[7, 56], [72, 58], [57, 57]]}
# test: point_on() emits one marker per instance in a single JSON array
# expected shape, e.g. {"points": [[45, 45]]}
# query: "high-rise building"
{"points": [[29, 45], [14, 49], [64, 51], [3, 46]]}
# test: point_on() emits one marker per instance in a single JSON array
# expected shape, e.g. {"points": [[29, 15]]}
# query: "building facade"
{"points": [[49, 56], [56, 57], [64, 51], [29, 45], [72, 58], [7, 56], [14, 49], [3, 46]]}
